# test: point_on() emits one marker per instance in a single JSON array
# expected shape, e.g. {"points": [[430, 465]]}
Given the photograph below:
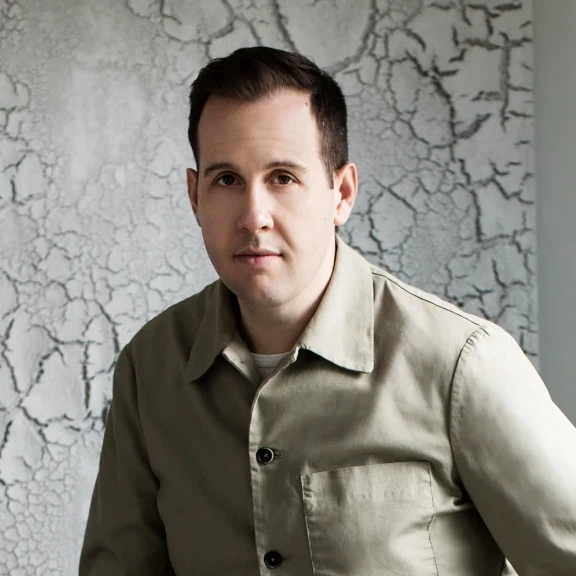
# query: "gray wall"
{"points": [[555, 104], [97, 236]]}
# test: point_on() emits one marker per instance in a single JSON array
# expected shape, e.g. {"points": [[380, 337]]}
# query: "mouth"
{"points": [[258, 258]]}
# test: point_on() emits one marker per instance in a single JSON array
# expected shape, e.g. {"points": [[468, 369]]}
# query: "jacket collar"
{"points": [[215, 332], [341, 330]]}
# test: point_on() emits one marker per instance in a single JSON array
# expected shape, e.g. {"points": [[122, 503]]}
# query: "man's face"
{"points": [[262, 186]]}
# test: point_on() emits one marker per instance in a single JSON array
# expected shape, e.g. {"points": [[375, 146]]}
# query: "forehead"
{"points": [[281, 123]]}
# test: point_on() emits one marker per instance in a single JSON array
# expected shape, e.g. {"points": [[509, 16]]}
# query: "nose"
{"points": [[255, 214]]}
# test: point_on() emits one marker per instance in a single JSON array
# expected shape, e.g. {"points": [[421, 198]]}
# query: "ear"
{"points": [[345, 188], [192, 183]]}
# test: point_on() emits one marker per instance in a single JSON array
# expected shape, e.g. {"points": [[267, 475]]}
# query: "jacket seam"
{"points": [[454, 390], [457, 312], [304, 489], [137, 401], [432, 519]]}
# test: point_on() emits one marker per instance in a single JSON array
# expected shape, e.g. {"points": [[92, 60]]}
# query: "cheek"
{"points": [[214, 233], [216, 218], [307, 220], [323, 214]]}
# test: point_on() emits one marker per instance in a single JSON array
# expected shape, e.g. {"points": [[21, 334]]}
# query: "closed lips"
{"points": [[257, 253]]}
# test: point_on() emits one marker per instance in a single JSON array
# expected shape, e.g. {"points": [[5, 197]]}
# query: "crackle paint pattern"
{"points": [[97, 236]]}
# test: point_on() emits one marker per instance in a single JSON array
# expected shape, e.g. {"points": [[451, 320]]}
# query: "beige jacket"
{"points": [[401, 436]]}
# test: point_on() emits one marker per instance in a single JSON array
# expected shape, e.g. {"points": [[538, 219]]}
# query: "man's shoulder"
{"points": [[420, 313], [177, 323], [429, 333]]}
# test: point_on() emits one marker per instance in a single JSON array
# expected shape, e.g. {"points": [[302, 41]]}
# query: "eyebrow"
{"points": [[276, 164]]}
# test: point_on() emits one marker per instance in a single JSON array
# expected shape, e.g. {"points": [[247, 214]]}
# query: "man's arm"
{"points": [[124, 533], [516, 454]]}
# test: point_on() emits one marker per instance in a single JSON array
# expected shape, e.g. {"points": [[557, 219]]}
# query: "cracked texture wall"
{"points": [[97, 236]]}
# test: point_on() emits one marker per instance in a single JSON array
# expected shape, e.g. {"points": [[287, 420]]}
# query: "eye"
{"points": [[283, 179], [225, 180]]}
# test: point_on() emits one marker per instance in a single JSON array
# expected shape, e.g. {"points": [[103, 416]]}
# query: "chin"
{"points": [[257, 295]]}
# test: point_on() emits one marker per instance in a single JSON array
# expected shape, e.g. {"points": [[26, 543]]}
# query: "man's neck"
{"points": [[267, 333]]}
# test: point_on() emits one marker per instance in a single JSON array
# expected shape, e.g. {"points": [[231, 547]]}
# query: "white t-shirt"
{"points": [[267, 362]]}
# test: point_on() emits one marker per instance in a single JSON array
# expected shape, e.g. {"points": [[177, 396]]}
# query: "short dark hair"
{"points": [[249, 74]]}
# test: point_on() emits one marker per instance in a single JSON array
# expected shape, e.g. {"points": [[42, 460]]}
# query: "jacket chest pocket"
{"points": [[370, 520]]}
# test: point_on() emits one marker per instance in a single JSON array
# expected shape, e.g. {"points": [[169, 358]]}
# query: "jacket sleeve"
{"points": [[516, 454], [124, 533]]}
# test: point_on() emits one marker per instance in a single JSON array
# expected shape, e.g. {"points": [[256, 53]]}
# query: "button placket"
{"points": [[264, 455]]}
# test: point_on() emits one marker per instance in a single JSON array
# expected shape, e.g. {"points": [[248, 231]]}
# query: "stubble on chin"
{"points": [[256, 297]]}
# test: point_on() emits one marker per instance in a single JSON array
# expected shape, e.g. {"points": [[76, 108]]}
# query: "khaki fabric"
{"points": [[408, 438]]}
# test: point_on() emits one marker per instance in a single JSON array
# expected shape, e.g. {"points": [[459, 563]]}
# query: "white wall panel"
{"points": [[97, 236]]}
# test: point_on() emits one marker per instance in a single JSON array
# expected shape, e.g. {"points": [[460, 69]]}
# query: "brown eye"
{"points": [[284, 179], [226, 180]]}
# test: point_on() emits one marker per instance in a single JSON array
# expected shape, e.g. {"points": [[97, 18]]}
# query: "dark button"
{"points": [[272, 559], [264, 455]]}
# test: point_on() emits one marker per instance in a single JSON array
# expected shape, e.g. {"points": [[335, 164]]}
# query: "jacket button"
{"points": [[264, 455], [272, 559]]}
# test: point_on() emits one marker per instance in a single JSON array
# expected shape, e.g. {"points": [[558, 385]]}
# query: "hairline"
{"points": [[320, 137]]}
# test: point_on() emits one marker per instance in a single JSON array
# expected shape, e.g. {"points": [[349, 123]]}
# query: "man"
{"points": [[308, 412]]}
